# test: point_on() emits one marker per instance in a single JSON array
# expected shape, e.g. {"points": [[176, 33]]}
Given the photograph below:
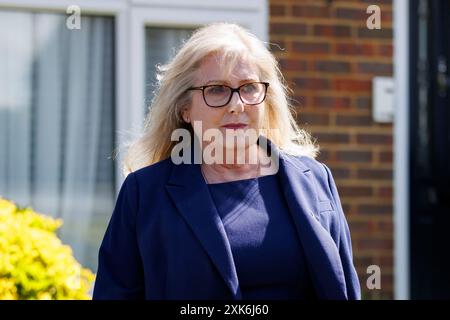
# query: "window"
{"points": [[57, 119], [69, 98], [160, 46]]}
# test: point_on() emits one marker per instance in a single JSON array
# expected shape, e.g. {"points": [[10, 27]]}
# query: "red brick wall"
{"points": [[329, 58]]}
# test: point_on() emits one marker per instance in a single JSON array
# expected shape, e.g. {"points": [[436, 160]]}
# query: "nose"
{"points": [[235, 105]]}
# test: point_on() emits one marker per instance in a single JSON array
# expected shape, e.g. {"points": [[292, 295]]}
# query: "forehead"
{"points": [[221, 67]]}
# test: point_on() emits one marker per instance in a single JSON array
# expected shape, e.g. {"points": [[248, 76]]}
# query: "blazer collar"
{"points": [[190, 194]]}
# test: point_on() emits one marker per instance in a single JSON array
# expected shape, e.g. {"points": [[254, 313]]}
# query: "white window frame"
{"points": [[401, 154], [131, 18]]}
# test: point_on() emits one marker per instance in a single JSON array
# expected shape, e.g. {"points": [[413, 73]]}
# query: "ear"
{"points": [[185, 114]]}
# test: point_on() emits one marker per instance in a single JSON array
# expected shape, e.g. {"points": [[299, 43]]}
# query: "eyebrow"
{"points": [[227, 82]]}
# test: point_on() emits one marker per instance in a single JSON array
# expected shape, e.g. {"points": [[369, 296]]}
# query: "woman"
{"points": [[256, 218]]}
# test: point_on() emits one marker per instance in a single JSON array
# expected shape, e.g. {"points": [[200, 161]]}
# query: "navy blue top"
{"points": [[163, 243], [267, 252]]}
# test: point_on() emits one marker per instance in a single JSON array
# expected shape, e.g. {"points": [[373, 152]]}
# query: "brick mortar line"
{"points": [[330, 75], [331, 22], [331, 57]]}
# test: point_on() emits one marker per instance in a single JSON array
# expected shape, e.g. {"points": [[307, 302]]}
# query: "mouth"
{"points": [[235, 126]]}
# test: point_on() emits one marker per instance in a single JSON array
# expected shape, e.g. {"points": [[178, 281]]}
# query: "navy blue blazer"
{"points": [[165, 239]]}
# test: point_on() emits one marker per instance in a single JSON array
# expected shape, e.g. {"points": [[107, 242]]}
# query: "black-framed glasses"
{"points": [[219, 95]]}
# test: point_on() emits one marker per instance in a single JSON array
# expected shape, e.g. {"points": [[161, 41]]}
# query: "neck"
{"points": [[234, 170]]}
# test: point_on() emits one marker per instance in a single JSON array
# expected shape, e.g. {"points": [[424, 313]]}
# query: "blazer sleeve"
{"points": [[120, 273], [344, 243]]}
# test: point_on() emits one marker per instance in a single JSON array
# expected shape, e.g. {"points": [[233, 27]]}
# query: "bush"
{"points": [[34, 264]]}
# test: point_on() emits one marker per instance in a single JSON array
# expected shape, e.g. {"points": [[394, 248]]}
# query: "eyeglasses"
{"points": [[219, 95]]}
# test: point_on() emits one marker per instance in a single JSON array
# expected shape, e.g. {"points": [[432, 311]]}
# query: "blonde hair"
{"points": [[164, 116]]}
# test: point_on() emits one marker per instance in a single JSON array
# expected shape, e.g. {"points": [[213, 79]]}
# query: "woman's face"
{"points": [[211, 71]]}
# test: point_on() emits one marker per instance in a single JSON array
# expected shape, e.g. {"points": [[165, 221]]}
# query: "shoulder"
{"points": [[142, 187], [154, 173], [318, 169], [151, 177]]}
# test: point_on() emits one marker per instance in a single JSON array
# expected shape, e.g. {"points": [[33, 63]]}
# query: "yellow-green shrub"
{"points": [[34, 264]]}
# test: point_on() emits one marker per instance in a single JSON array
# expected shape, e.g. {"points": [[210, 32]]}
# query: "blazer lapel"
{"points": [[190, 194], [320, 250]]}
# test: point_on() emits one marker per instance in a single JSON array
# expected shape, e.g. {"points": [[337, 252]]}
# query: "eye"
{"points": [[250, 88], [216, 90]]}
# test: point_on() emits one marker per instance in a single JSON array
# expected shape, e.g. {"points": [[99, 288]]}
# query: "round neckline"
{"points": [[241, 180]]}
